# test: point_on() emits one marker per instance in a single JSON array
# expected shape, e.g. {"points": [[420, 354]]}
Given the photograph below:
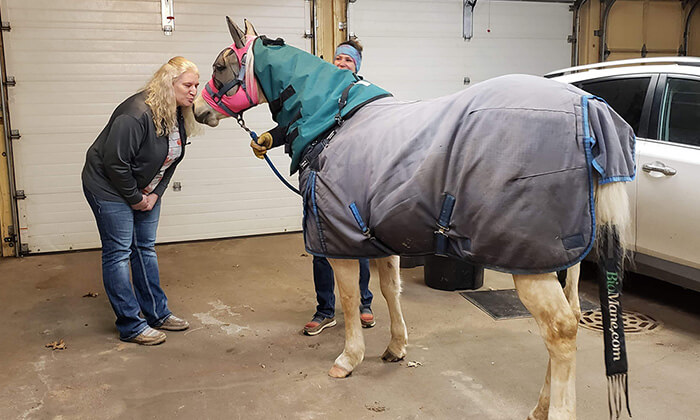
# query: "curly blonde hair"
{"points": [[161, 97]]}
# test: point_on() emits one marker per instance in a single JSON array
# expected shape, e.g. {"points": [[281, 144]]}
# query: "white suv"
{"points": [[660, 99]]}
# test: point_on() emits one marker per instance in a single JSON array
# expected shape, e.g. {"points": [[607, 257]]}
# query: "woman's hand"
{"points": [[147, 202], [151, 199], [141, 205], [261, 147]]}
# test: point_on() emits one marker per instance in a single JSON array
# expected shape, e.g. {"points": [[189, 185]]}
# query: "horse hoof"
{"points": [[388, 356], [338, 372]]}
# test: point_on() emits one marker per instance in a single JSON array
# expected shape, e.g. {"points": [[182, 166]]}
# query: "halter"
{"points": [[245, 97]]}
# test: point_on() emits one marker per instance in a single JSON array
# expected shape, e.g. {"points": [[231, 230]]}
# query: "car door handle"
{"points": [[659, 167]]}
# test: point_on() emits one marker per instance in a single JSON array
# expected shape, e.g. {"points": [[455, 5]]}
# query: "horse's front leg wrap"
{"points": [[346, 277]]}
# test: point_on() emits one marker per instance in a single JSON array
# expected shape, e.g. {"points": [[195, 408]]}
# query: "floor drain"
{"points": [[634, 321]]}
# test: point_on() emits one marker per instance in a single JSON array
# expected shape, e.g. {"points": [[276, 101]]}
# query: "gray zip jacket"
{"points": [[128, 154]]}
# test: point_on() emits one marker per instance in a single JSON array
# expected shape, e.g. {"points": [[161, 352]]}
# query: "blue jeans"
{"points": [[324, 283], [128, 239]]}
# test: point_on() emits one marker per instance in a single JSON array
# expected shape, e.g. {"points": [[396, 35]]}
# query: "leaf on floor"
{"points": [[413, 364], [91, 294], [375, 407], [57, 345]]}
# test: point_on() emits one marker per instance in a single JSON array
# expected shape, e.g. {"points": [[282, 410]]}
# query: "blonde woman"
{"points": [[126, 172]]}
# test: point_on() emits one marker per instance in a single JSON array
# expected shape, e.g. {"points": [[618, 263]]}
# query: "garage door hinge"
{"points": [[19, 195], [5, 26], [10, 81], [14, 134], [597, 32]]}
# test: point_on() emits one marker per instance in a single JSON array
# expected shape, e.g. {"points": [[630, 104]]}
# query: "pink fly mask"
{"points": [[246, 95]]}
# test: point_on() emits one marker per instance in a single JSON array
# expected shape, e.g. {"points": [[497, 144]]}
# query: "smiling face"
{"points": [[185, 88], [344, 61]]}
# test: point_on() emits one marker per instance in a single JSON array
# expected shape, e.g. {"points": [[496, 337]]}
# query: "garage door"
{"points": [[415, 49], [75, 60], [644, 29]]}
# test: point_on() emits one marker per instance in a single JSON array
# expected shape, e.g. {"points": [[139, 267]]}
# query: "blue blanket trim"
{"points": [[312, 191]]}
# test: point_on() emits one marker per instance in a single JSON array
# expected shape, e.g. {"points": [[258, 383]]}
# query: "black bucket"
{"points": [[447, 273], [410, 262]]}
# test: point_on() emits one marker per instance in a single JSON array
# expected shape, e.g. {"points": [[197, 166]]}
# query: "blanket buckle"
{"points": [[443, 225]]}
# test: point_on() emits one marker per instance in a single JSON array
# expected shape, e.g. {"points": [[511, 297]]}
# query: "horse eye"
{"points": [[219, 67]]}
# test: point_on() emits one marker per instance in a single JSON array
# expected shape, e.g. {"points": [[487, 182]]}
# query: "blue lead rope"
{"points": [[254, 136]]}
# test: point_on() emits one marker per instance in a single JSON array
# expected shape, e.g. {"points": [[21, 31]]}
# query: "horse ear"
{"points": [[236, 33], [249, 29]]}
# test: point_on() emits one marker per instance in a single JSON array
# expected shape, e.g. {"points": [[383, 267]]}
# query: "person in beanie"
{"points": [[348, 56]]}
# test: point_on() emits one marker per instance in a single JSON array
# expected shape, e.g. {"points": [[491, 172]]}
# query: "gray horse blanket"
{"points": [[500, 174]]}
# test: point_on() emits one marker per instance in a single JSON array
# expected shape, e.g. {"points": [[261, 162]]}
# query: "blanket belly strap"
{"points": [[443, 225], [367, 232]]}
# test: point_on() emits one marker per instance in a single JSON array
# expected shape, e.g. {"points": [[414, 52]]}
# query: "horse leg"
{"points": [[346, 277], [390, 282], [544, 297], [571, 292]]}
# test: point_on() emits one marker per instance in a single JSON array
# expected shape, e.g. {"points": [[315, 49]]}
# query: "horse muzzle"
{"points": [[204, 113]]}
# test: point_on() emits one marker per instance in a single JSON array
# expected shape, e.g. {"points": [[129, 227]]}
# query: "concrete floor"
{"points": [[244, 357]]}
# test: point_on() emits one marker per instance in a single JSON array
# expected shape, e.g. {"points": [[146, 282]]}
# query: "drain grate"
{"points": [[634, 321]]}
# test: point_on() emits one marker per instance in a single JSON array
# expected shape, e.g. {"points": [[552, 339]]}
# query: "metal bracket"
{"points": [[10, 81], [5, 26], [342, 26], [14, 134], [19, 195], [308, 34], [11, 237], [598, 32], [571, 39], [24, 249]]}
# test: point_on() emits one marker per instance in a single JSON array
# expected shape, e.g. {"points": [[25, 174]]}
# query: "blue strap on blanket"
{"points": [[443, 225], [367, 232]]}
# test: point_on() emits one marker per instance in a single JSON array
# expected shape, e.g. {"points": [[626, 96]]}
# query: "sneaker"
{"points": [[148, 337], [367, 318], [173, 323], [317, 324]]}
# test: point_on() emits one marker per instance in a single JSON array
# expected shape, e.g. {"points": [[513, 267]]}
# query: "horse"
{"points": [[350, 166]]}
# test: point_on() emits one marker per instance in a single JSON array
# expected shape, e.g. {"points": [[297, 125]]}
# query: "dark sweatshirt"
{"points": [[128, 154]]}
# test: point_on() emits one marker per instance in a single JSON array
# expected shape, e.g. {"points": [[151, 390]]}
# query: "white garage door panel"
{"points": [[414, 48], [75, 61]]}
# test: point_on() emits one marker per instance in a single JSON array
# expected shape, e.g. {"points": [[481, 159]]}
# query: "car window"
{"points": [[679, 120], [624, 95]]}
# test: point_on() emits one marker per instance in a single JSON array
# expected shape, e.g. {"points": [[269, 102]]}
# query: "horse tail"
{"points": [[612, 211], [612, 233]]}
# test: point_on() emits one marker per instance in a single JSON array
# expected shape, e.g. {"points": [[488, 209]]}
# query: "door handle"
{"points": [[659, 167]]}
